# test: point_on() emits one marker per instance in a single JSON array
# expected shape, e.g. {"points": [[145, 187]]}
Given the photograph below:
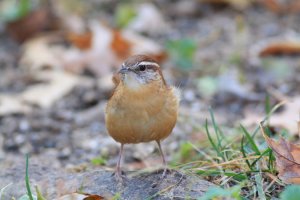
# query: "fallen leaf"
{"points": [[149, 20], [78, 196], [282, 45], [54, 86], [120, 45], [39, 54], [278, 6], [238, 4], [280, 48], [44, 95], [287, 118], [272, 5], [287, 158], [11, 104], [32, 24], [82, 41], [101, 51], [93, 197]]}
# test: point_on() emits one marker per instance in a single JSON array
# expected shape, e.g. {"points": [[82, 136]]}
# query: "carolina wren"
{"points": [[142, 108]]}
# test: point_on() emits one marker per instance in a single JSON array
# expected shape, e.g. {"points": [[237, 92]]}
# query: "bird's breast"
{"points": [[149, 115]]}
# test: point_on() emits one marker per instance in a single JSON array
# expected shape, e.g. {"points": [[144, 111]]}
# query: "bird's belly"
{"points": [[136, 125]]}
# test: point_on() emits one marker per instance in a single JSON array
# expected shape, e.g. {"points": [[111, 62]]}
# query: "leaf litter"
{"points": [[287, 158]]}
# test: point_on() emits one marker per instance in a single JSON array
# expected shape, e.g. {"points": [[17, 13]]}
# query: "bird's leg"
{"points": [[118, 173], [163, 159]]}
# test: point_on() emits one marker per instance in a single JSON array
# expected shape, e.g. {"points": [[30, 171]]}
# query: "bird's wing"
{"points": [[116, 79]]}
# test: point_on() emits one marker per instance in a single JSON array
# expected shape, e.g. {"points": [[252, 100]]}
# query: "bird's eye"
{"points": [[142, 67]]}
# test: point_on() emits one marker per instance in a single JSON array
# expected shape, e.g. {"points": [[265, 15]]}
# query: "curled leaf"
{"points": [[287, 158]]}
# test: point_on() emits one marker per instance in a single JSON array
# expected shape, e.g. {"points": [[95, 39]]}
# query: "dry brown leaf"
{"points": [[35, 22], [238, 4], [82, 41], [78, 196], [278, 6], [281, 47], [287, 159], [272, 5], [93, 197], [100, 52], [119, 45]]}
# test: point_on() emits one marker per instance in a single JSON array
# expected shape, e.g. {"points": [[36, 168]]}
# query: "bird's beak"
{"points": [[124, 70]]}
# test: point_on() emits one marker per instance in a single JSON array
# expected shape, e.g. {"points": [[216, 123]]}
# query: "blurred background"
{"points": [[238, 57]]}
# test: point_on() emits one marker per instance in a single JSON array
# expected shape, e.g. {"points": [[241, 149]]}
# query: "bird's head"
{"points": [[140, 70]]}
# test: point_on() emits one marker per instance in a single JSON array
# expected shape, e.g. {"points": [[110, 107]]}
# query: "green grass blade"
{"points": [[39, 194], [251, 141], [236, 176], [271, 160], [211, 141], [267, 104], [216, 128], [213, 120], [261, 155], [27, 180], [244, 153]]}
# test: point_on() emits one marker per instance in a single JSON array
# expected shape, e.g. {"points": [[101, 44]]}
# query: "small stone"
{"points": [[189, 95], [10, 145], [64, 154], [24, 126]]}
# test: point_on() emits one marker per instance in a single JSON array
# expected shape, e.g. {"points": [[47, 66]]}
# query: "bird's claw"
{"points": [[164, 174], [120, 176]]}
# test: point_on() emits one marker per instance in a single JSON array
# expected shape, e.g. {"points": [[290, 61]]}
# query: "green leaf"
{"points": [[98, 161], [182, 52], [185, 149], [124, 14], [291, 192], [117, 196], [207, 85], [214, 192], [24, 8], [15, 10]]}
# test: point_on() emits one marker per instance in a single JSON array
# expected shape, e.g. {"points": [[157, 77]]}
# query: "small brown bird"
{"points": [[142, 108]]}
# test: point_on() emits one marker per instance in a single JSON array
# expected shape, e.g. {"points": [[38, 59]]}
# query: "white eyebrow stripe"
{"points": [[148, 63]]}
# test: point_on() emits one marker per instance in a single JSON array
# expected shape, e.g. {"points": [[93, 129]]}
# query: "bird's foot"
{"points": [[120, 176], [165, 172]]}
